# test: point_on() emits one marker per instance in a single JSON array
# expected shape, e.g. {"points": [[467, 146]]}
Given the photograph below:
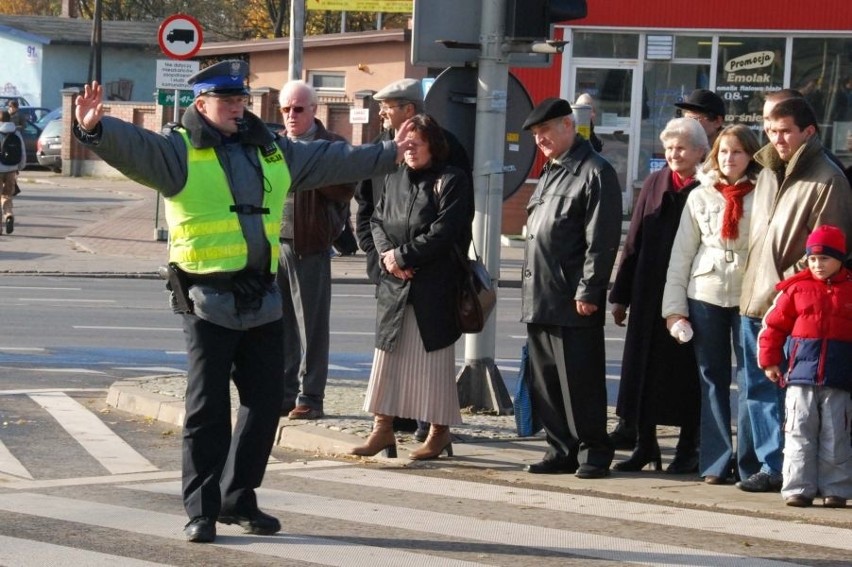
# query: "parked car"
{"points": [[49, 146], [5, 99], [30, 134], [33, 113], [54, 114]]}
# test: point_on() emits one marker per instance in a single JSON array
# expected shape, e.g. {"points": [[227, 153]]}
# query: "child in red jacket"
{"points": [[814, 308]]}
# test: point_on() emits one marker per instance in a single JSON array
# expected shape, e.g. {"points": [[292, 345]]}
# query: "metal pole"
{"points": [[297, 35], [479, 383]]}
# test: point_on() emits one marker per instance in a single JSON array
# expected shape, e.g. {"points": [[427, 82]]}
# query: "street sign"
{"points": [[359, 115], [174, 74], [167, 97], [180, 36]]}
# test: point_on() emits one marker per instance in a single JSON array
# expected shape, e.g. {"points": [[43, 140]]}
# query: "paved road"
{"points": [[102, 487]]}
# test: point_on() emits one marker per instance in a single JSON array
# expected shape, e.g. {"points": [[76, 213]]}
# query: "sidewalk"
{"points": [[122, 243]]}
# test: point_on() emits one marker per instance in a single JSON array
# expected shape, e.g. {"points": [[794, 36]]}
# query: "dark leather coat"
{"points": [[573, 232], [423, 229]]}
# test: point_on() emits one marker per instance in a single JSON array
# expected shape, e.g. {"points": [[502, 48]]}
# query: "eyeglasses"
{"points": [[386, 107], [296, 109]]}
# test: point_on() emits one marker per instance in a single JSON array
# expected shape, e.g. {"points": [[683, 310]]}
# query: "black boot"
{"points": [[647, 450], [623, 436], [686, 453]]}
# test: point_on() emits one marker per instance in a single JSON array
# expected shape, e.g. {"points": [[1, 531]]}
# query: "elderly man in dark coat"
{"points": [[574, 229]]}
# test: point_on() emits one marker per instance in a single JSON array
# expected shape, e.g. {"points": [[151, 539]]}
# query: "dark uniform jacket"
{"points": [[573, 232], [423, 229]]}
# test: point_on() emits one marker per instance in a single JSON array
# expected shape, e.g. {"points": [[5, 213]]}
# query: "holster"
{"points": [[178, 283]]}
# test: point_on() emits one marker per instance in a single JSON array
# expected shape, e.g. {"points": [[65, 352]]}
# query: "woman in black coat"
{"points": [[420, 222], [659, 377]]}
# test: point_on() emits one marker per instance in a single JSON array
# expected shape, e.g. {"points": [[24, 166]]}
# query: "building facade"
{"points": [[637, 59]]}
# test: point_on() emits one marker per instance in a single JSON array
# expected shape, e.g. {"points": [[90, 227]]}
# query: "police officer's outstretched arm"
{"points": [[90, 107]]}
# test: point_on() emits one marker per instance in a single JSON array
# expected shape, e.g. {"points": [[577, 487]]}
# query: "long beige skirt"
{"points": [[410, 382]]}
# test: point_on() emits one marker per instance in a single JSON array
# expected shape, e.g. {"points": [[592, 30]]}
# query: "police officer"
{"points": [[224, 177]]}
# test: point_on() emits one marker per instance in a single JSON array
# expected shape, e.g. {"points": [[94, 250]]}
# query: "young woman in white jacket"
{"points": [[703, 286]]}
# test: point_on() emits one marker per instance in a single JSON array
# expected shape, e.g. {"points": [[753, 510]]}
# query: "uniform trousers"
{"points": [[221, 469], [305, 282], [570, 362], [817, 451]]}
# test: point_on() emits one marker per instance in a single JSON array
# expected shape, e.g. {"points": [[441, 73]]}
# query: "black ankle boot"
{"points": [[647, 450], [686, 453]]}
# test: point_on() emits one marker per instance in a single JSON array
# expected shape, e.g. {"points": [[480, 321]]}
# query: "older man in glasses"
{"points": [[312, 220]]}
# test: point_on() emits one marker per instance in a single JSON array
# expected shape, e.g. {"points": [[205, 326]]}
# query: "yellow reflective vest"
{"points": [[205, 235]]}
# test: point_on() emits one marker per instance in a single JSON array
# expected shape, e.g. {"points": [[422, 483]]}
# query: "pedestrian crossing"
{"points": [[340, 513], [434, 533], [87, 429]]}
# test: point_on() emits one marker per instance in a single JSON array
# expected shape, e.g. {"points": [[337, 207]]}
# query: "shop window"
{"points": [[605, 45], [693, 47], [328, 81], [748, 68], [822, 72], [665, 83]]}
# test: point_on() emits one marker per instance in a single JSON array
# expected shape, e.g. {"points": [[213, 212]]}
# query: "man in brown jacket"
{"points": [[312, 220], [798, 190]]}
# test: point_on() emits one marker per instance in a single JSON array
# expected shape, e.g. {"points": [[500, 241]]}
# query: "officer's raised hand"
{"points": [[402, 140], [90, 107]]}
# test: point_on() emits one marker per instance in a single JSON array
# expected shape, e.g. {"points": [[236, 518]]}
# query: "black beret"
{"points": [[704, 101], [547, 109]]}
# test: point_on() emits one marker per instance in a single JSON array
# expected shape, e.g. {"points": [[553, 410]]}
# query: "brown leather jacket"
{"points": [[313, 219]]}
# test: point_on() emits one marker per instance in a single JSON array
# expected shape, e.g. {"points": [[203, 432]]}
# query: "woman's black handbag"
{"points": [[476, 295]]}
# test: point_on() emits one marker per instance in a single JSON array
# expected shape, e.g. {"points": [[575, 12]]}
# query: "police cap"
{"points": [[225, 78]]}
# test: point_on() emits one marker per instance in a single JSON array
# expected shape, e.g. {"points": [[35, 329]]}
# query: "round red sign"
{"points": [[180, 36]]}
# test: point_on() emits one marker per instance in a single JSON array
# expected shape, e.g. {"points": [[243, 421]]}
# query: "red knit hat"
{"points": [[827, 240]]}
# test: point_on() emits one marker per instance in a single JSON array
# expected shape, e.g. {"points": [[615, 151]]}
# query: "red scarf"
{"points": [[679, 182], [733, 206]]}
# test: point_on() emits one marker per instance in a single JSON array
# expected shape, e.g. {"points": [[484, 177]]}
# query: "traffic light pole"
{"points": [[479, 383]]}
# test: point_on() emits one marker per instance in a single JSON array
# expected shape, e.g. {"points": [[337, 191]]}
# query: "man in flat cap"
{"points": [[574, 228], [224, 177], [398, 102], [708, 108]]}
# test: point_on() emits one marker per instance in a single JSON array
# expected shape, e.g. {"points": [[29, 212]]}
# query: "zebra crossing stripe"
{"points": [[10, 465], [568, 542], [312, 550], [25, 553], [741, 526], [115, 454]]}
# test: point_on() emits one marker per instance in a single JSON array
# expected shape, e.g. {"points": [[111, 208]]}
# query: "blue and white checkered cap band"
{"points": [[219, 83]]}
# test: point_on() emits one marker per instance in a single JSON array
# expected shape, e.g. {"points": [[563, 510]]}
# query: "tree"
{"points": [[223, 19]]}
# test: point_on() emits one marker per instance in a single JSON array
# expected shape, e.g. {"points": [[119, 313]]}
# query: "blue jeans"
{"points": [[764, 406], [717, 330]]}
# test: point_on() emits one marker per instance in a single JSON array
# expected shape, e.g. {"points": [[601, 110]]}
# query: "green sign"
{"points": [[167, 98]]}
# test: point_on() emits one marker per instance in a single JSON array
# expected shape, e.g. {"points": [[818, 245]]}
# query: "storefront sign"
{"points": [[743, 80]]}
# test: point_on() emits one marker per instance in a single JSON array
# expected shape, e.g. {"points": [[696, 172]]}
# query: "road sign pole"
{"points": [[479, 383]]}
